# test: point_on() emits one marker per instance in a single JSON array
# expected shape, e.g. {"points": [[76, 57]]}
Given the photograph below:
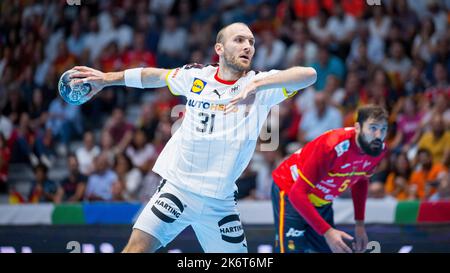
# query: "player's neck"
{"points": [[228, 74]]}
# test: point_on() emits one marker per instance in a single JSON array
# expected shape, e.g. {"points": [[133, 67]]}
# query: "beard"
{"points": [[374, 148], [233, 63]]}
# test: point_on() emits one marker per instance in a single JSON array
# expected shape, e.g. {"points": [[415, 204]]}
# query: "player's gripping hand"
{"points": [[335, 240], [95, 78], [361, 239], [250, 89]]}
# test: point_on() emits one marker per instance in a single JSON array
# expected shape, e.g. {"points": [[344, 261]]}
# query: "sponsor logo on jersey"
{"points": [[346, 166], [292, 232], [342, 147], [231, 229], [329, 197], [168, 207], [198, 86], [174, 75], [234, 90], [366, 164], [217, 93], [328, 182], [205, 105], [322, 188]]}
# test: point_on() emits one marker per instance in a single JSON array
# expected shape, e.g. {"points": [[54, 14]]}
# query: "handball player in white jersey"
{"points": [[226, 107]]}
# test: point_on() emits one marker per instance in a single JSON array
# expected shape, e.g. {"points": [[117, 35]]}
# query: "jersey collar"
{"points": [[216, 77]]}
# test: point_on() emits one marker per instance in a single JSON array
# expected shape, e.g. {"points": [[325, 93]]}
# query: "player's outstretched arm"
{"points": [[293, 79], [149, 77]]}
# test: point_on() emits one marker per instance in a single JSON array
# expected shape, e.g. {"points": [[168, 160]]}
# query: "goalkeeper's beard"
{"points": [[374, 148]]}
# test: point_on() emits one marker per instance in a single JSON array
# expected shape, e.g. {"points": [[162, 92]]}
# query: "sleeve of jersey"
{"points": [[317, 157], [178, 81], [359, 196], [271, 97]]}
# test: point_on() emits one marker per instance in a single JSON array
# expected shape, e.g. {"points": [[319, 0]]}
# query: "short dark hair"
{"points": [[375, 112], [41, 167]]}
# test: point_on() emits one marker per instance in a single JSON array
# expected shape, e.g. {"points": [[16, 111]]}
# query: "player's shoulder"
{"points": [[338, 139], [336, 136], [199, 70]]}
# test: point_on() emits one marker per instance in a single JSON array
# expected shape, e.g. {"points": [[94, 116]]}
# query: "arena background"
{"points": [[390, 53]]}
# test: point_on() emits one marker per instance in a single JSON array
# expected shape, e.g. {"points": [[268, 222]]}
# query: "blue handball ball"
{"points": [[73, 94]]}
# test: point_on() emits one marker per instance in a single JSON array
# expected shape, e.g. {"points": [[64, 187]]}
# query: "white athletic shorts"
{"points": [[215, 222]]}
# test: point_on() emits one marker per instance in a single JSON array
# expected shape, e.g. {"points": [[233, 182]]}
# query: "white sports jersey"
{"points": [[210, 150]]}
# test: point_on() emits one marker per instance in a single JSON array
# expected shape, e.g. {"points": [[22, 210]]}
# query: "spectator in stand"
{"points": [[415, 82], [397, 65], [409, 125], [85, 155], [443, 189], [64, 60], [423, 179], [76, 40], [5, 156], [107, 146], [270, 53], [65, 121], [138, 55], [342, 27], [397, 183], [405, 17], [302, 51], [441, 55], [38, 110], [120, 129], [325, 65], [172, 44], [380, 22], [15, 104], [318, 27], [101, 182], [148, 121], [129, 177], [141, 153], [43, 189], [322, 118], [424, 44], [437, 141], [74, 185], [440, 83], [6, 126]]}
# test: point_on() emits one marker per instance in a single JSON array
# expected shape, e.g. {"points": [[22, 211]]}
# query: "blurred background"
{"points": [[82, 173]]}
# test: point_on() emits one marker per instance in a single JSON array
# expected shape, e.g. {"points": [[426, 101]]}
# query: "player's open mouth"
{"points": [[245, 57]]}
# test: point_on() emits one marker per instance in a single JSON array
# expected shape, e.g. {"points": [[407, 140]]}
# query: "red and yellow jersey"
{"points": [[329, 164]]}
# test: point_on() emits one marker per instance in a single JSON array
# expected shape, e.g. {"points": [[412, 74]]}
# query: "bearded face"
{"points": [[372, 148], [371, 136], [239, 64]]}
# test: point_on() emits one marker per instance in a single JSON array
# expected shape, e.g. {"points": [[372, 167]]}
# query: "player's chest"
{"points": [[213, 90]]}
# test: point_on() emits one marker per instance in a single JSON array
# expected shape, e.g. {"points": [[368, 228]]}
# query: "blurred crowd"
{"points": [[395, 55]]}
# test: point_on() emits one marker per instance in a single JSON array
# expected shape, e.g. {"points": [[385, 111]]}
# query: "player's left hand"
{"points": [[361, 239], [250, 89]]}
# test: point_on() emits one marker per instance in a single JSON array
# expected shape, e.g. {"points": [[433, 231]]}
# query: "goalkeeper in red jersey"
{"points": [[307, 182]]}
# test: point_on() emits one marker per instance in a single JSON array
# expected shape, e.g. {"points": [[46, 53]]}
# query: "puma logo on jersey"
{"points": [[217, 93]]}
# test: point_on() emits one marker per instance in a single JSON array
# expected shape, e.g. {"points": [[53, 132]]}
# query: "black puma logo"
{"points": [[217, 93]]}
